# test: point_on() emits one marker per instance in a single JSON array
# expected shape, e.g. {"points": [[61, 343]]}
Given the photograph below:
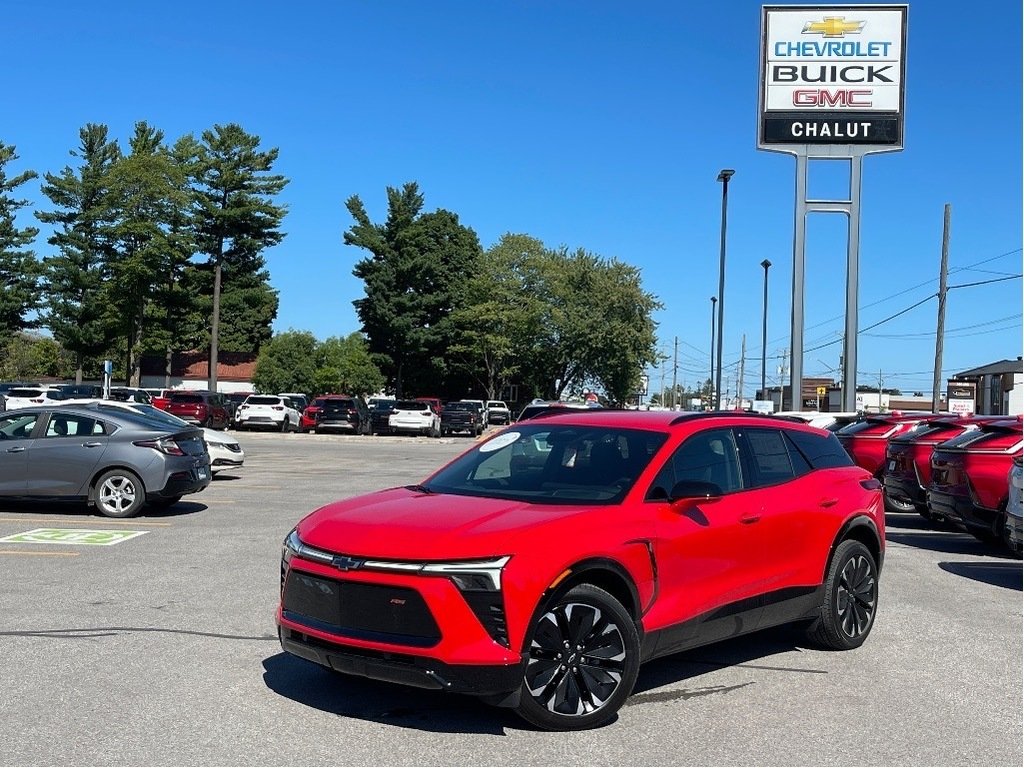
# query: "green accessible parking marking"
{"points": [[71, 536]]}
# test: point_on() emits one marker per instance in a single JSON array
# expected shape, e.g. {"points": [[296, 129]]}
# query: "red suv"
{"points": [[969, 474], [541, 567], [866, 442], [908, 456], [207, 409]]}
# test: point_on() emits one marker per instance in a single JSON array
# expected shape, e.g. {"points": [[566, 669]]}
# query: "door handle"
{"points": [[16, 449], [749, 518], [828, 502], [91, 445]]}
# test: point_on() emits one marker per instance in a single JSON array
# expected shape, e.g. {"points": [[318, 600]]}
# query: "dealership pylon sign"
{"points": [[832, 75], [831, 88]]}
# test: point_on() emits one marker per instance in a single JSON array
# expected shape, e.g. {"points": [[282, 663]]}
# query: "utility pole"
{"points": [[940, 327], [739, 385], [675, 366], [879, 390], [663, 359]]}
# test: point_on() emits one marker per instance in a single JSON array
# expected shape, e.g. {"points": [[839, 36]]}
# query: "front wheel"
{"points": [[582, 663], [119, 493], [851, 598]]}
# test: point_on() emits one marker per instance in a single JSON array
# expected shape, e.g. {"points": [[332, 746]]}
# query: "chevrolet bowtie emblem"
{"points": [[833, 26], [343, 563]]}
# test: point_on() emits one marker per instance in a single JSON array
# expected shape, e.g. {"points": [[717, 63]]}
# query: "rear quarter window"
{"points": [[821, 451]]}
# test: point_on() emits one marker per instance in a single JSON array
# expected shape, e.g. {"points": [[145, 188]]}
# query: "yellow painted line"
{"points": [[38, 554], [92, 521]]}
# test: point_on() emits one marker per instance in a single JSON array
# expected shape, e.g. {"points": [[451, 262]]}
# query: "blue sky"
{"points": [[594, 124]]}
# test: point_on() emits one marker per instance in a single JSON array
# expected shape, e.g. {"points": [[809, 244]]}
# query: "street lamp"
{"points": [[723, 176], [764, 326], [711, 381]]}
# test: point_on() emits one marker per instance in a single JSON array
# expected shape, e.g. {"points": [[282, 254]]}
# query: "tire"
{"points": [[119, 493], [851, 599], [168, 502], [895, 505], [599, 672]]}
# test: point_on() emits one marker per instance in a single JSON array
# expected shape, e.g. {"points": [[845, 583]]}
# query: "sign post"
{"points": [[831, 88]]}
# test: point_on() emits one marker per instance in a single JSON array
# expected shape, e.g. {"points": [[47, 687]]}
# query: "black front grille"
{"points": [[365, 611]]}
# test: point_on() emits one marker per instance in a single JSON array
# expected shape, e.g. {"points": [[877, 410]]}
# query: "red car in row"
{"points": [[969, 477], [908, 457], [866, 441]]}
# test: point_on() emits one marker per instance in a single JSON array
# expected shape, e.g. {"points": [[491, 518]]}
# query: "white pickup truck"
{"points": [[498, 412]]}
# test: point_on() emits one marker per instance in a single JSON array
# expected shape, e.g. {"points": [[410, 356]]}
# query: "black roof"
{"points": [[993, 369]]}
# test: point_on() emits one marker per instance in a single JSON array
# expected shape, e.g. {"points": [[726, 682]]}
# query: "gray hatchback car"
{"points": [[111, 458]]}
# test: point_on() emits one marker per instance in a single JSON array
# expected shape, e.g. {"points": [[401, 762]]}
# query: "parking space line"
{"points": [[91, 521], [38, 554]]}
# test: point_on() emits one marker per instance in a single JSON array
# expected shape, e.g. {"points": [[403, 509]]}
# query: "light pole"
{"points": [[711, 381], [723, 176], [764, 326]]}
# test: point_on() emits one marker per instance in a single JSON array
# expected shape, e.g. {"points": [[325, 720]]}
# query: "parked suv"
{"points": [[540, 568], [969, 473], [207, 409], [866, 442], [498, 412], [331, 413], [415, 416], [461, 417], [267, 412], [28, 396], [908, 468]]}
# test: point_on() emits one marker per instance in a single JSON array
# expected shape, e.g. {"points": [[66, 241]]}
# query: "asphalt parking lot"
{"points": [[160, 649]]}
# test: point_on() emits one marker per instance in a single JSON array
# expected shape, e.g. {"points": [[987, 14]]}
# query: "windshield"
{"points": [[258, 400], [552, 464]]}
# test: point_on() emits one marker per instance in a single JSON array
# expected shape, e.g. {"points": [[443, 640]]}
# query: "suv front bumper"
{"points": [[416, 671]]}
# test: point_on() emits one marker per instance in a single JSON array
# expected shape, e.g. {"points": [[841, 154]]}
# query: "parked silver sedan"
{"points": [[114, 459]]}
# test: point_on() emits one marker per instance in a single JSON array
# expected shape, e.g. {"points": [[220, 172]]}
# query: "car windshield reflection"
{"points": [[552, 464]]}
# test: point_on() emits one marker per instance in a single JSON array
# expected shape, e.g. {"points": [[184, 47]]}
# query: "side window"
{"points": [[70, 425], [769, 456], [18, 427], [822, 451], [710, 456]]}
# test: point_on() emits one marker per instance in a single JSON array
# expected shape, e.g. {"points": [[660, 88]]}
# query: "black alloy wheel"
{"points": [[851, 599], [582, 662], [898, 505]]}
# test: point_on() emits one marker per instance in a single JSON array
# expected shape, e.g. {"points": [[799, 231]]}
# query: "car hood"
{"points": [[404, 524]]}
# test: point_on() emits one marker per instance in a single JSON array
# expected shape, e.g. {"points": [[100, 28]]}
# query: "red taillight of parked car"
{"points": [[164, 445]]}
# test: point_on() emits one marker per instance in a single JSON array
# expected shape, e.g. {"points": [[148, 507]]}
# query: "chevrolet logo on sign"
{"points": [[833, 26]]}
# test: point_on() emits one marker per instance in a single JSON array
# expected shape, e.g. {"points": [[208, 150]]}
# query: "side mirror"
{"points": [[696, 490]]}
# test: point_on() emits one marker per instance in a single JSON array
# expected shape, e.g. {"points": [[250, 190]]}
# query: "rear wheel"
{"points": [[119, 493], [582, 663], [851, 599], [898, 505]]}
